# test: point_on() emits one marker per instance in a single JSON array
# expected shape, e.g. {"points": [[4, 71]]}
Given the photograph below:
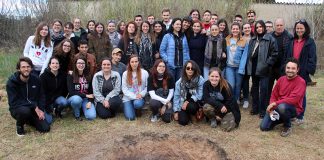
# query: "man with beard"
{"points": [[251, 16], [286, 99], [26, 99]]}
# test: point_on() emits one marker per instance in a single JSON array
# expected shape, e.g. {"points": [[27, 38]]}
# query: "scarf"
{"points": [[57, 38], [189, 86], [145, 51], [114, 38], [209, 48]]}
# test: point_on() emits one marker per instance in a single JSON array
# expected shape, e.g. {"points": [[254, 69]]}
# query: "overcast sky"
{"points": [[301, 1]]}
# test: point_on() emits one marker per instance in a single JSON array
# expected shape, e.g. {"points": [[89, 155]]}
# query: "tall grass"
{"points": [[8, 60]]}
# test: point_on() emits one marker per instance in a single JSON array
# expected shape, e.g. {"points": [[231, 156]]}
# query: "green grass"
{"points": [[8, 63]]}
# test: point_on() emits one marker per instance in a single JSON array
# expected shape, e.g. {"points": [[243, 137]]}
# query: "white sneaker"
{"points": [[154, 118], [238, 102], [299, 121], [246, 104]]}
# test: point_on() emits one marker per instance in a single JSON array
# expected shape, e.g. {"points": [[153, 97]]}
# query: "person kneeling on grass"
{"points": [[80, 90], [106, 88], [220, 104], [188, 92], [161, 88], [26, 99], [286, 99]]}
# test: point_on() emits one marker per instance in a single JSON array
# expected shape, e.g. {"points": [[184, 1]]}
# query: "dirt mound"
{"points": [[150, 145]]}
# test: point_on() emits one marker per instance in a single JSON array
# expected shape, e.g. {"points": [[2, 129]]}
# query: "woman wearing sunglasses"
{"points": [[188, 93], [303, 48]]}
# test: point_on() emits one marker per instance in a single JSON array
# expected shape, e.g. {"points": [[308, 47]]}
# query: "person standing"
{"points": [[26, 99], [166, 18], [99, 43], [127, 43]]}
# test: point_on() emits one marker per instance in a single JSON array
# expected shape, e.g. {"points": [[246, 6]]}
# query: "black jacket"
{"points": [[283, 48], [53, 86], [21, 94], [228, 101], [307, 58], [267, 55]]}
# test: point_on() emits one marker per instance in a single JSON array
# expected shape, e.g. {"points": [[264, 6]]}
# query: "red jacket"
{"points": [[290, 91]]}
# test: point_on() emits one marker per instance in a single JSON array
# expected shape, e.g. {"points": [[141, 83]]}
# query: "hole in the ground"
{"points": [[150, 145]]}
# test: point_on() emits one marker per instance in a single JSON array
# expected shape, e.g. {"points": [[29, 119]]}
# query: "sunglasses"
{"points": [[301, 21], [190, 68]]}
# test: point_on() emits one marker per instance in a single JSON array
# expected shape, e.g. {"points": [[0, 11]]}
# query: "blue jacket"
{"points": [[240, 55], [307, 58], [167, 50]]}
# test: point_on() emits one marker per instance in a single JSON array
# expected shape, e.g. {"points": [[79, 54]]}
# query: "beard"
{"points": [[25, 75]]}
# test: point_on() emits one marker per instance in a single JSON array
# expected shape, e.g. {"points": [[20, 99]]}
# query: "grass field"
{"points": [[100, 139]]}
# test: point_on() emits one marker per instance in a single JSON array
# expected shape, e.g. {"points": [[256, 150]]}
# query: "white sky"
{"points": [[301, 1]]}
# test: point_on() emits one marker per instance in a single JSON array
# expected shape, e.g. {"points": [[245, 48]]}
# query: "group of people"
{"points": [[191, 68]]}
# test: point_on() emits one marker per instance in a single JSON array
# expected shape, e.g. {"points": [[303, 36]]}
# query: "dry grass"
{"points": [[70, 139]]}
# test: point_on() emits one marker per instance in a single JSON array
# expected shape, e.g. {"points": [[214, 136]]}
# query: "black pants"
{"points": [[184, 115], [28, 115], [274, 75], [155, 105], [114, 104]]}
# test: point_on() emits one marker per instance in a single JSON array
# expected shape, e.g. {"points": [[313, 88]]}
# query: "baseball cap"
{"points": [[116, 50]]}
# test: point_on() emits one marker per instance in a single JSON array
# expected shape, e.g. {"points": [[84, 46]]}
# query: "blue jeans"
{"points": [[48, 118], [206, 72], [235, 80], [286, 112], [77, 103], [130, 106], [176, 73], [260, 97], [59, 103], [301, 115]]}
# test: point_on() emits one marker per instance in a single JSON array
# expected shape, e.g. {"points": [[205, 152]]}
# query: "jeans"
{"points": [[114, 104], [206, 71], [235, 80], [176, 73], [130, 106], [260, 97], [301, 115], [286, 112], [77, 103], [61, 102], [25, 114]]}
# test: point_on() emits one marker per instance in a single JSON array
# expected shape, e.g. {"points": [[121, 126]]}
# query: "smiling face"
{"points": [[99, 28], [68, 30], [300, 30], [80, 65], [106, 66], [195, 16], [259, 28], [189, 70], [251, 18], [222, 26], [145, 27], [185, 25], [66, 47], [111, 27], [91, 26], [196, 27], [44, 32], [214, 30], [161, 68], [116, 57], [247, 29], [214, 78], [177, 26], [291, 70], [157, 28], [24, 69], [131, 28], [57, 27], [54, 65], [77, 24], [235, 30]]}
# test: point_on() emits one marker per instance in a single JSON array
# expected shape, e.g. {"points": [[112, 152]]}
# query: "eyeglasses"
{"points": [[81, 63], [190, 68]]}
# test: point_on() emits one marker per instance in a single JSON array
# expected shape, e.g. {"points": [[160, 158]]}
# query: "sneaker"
{"points": [[228, 122], [20, 131], [238, 102], [154, 118], [213, 123], [286, 132], [246, 104], [299, 121], [78, 119]]}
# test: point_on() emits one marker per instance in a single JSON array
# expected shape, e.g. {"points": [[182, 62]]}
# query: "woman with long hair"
{"points": [[174, 48], [194, 14], [106, 88], [127, 43], [188, 93], [215, 51], [145, 42], [197, 45], [65, 52], [223, 28], [187, 27], [121, 26], [236, 59], [80, 90], [99, 42], [68, 34], [54, 85], [91, 26], [134, 87], [114, 36], [159, 30], [219, 101], [161, 89], [262, 54], [39, 48], [303, 48]]}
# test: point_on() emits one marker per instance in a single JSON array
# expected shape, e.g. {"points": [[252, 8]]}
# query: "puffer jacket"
{"points": [[267, 55]]}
